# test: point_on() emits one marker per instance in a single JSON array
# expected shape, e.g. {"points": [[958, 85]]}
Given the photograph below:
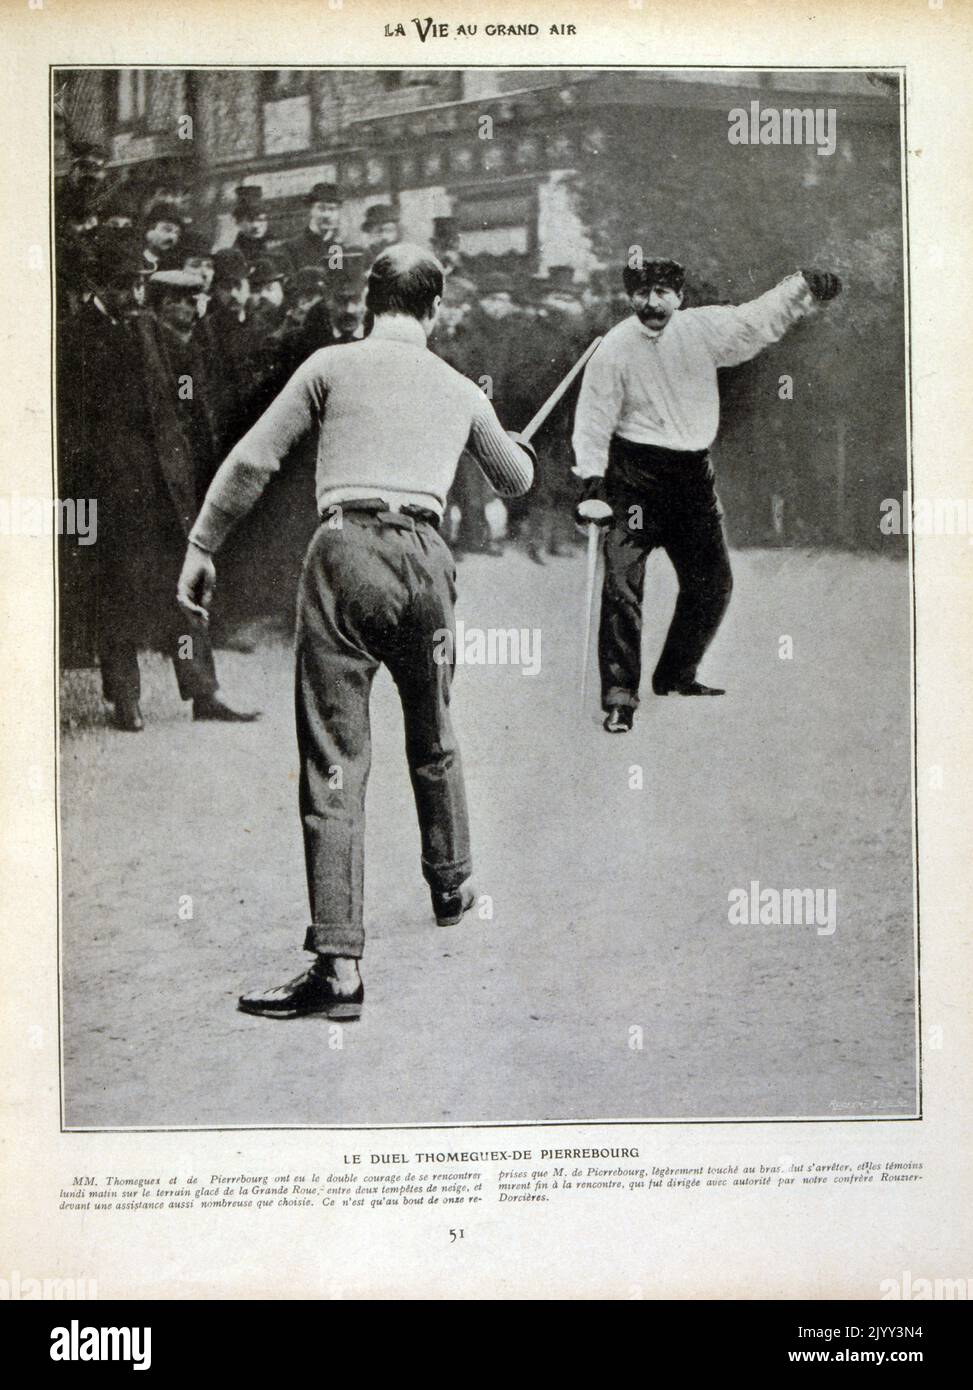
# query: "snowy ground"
{"points": [[609, 982]]}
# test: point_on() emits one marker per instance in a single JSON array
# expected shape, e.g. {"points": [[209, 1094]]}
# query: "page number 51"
{"points": [[456, 1235]]}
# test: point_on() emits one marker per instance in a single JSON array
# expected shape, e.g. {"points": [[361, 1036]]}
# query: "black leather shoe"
{"points": [[310, 993], [128, 716], [212, 707], [449, 907], [619, 719], [687, 688]]}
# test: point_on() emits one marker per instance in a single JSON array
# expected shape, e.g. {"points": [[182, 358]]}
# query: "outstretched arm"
{"points": [[735, 333]]}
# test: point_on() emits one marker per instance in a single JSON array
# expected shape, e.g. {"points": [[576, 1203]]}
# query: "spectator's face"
{"points": [[119, 298], [655, 305], [272, 293], [178, 309], [162, 236], [203, 266], [323, 218], [351, 311], [497, 304], [383, 235], [255, 227]]}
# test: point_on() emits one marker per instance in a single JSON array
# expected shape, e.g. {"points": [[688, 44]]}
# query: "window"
{"points": [[286, 82], [131, 96], [498, 219]]}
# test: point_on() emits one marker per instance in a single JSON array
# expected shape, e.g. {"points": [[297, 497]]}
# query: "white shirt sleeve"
{"points": [[598, 411], [734, 333]]}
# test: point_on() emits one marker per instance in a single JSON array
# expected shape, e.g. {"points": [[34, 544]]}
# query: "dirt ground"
{"points": [[609, 982]]}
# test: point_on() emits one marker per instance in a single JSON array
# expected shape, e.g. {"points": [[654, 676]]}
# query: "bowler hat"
{"points": [[196, 246], [163, 210], [229, 266], [265, 272], [323, 193], [377, 214], [307, 280]]}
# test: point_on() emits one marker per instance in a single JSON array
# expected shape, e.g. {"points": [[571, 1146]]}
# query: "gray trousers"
{"points": [[378, 590]]}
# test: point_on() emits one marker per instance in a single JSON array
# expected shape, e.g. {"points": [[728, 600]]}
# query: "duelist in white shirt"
{"points": [[648, 411]]}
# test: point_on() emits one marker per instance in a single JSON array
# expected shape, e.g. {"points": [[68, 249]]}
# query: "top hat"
{"points": [[196, 246], [249, 199], [117, 256], [561, 278]]}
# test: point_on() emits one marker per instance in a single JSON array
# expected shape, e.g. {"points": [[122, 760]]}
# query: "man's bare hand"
{"points": [[196, 583]]}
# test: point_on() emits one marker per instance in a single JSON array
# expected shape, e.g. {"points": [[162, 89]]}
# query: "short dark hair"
{"points": [[658, 271], [404, 279]]}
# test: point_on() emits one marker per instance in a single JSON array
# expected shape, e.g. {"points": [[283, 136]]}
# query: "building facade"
{"points": [[497, 149]]}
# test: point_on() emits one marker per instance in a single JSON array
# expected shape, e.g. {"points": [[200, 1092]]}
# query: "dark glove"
{"points": [[823, 284], [593, 507]]}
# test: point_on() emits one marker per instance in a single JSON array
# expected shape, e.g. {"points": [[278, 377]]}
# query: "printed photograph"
{"points": [[485, 604]]}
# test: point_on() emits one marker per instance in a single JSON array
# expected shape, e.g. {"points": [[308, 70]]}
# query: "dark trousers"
{"points": [[192, 657], [660, 498], [379, 589]]}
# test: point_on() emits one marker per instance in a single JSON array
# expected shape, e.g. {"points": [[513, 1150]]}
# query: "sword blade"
{"points": [[589, 603], [555, 396]]}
